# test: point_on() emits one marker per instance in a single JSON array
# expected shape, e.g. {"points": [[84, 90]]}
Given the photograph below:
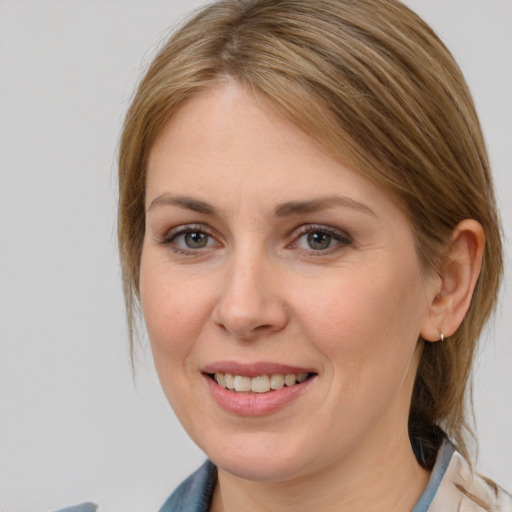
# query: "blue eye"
{"points": [[320, 239], [188, 239], [192, 239]]}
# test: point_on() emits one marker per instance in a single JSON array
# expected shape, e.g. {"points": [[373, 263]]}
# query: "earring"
{"points": [[441, 337]]}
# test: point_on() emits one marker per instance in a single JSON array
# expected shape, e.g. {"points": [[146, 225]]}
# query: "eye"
{"points": [[188, 239], [320, 238], [192, 240], [319, 241]]}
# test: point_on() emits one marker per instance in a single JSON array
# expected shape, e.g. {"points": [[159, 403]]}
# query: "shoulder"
{"points": [[192, 495], [195, 493], [461, 489]]}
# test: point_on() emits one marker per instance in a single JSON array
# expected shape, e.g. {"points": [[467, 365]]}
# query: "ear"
{"points": [[457, 281]]}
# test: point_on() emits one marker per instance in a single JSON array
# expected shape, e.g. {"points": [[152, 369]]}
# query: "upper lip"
{"points": [[253, 369]]}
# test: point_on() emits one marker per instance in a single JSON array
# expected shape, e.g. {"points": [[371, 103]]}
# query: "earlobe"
{"points": [[458, 278]]}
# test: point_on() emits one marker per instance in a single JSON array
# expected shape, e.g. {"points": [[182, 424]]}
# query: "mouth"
{"points": [[260, 384], [256, 389]]}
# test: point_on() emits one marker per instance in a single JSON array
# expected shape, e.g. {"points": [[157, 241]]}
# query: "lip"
{"points": [[253, 369], [254, 404]]}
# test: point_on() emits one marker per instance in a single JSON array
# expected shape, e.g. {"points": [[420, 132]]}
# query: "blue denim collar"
{"points": [[195, 493], [444, 456]]}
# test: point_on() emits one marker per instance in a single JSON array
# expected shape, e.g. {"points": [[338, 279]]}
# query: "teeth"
{"points": [[290, 379], [260, 384], [242, 383], [277, 381], [228, 381], [221, 379]]}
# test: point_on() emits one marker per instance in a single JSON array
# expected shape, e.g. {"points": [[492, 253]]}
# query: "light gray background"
{"points": [[73, 424]]}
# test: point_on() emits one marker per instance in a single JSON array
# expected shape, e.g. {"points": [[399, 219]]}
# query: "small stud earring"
{"points": [[441, 337]]}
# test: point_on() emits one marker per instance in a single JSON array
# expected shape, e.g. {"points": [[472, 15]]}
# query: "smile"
{"points": [[257, 389], [260, 383]]}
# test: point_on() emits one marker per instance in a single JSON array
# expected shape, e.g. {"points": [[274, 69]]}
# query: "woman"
{"points": [[307, 220]]}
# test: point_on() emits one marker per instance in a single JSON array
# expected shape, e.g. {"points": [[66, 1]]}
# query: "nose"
{"points": [[250, 304]]}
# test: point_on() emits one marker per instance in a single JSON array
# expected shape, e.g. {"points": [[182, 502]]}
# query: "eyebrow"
{"points": [[184, 202], [321, 204], [282, 210]]}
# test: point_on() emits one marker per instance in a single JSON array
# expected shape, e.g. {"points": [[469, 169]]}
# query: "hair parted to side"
{"points": [[373, 84]]}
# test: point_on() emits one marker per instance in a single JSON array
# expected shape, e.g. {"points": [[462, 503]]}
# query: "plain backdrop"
{"points": [[74, 424]]}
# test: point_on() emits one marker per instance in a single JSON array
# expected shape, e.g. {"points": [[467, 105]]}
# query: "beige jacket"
{"points": [[461, 490]]}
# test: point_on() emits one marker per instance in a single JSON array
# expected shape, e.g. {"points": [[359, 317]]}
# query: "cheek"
{"points": [[362, 309], [368, 336], [172, 310], [366, 323]]}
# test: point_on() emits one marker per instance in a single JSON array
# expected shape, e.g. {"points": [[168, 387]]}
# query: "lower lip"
{"points": [[255, 404]]}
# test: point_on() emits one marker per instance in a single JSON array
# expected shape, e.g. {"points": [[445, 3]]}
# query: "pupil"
{"points": [[196, 240], [319, 241]]}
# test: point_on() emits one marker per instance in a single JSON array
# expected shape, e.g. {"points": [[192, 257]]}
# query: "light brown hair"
{"points": [[373, 84]]}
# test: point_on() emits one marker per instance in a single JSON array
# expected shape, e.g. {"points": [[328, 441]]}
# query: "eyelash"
{"points": [[169, 239], [342, 239]]}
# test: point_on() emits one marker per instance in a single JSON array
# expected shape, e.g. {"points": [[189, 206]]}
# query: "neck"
{"points": [[382, 478]]}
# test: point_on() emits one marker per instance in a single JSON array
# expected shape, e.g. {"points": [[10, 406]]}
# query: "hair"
{"points": [[374, 85]]}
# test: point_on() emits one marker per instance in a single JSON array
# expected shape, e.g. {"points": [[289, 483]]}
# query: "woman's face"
{"points": [[262, 258]]}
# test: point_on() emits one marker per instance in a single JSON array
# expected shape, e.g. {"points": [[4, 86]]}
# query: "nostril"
{"points": [[265, 327]]}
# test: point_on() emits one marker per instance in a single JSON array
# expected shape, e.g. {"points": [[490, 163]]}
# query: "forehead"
{"points": [[227, 122], [227, 135]]}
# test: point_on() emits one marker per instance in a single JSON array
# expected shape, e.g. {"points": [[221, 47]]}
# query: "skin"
{"points": [[258, 291]]}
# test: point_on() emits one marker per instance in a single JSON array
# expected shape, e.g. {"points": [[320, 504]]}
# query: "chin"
{"points": [[261, 458], [260, 469]]}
